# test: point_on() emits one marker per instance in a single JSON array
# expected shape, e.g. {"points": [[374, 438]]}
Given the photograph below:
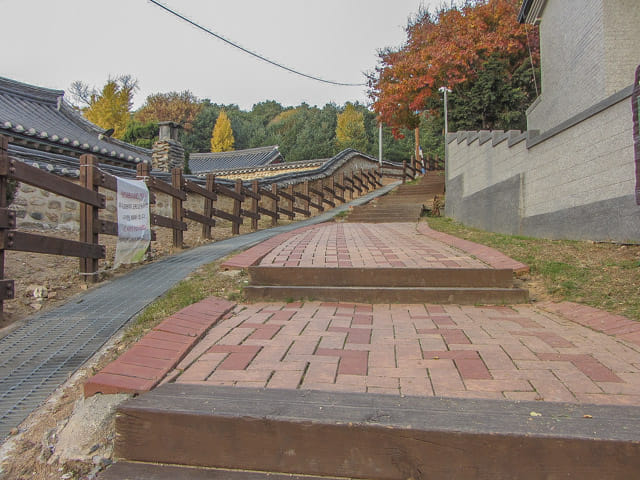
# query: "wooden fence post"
{"points": [[255, 188], [352, 189], [305, 191], [363, 181], [208, 205], [274, 204], [176, 207], [88, 218], [237, 208], [292, 201], [7, 290], [404, 171], [341, 187]]}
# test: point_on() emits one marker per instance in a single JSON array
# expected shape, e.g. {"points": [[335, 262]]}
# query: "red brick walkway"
{"points": [[386, 245], [519, 353]]}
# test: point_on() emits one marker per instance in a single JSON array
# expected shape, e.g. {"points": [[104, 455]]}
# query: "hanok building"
{"points": [[46, 132], [248, 164]]}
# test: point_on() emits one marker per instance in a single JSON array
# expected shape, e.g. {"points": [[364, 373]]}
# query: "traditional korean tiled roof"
{"points": [[39, 119], [237, 159]]}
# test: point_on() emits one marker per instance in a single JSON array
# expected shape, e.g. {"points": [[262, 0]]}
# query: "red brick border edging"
{"points": [[488, 255], [146, 363], [253, 255], [609, 323]]}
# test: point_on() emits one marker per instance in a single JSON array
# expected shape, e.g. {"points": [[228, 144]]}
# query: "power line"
{"points": [[279, 65]]}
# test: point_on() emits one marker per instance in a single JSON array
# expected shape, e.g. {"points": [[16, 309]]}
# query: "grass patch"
{"points": [[204, 282], [602, 275]]}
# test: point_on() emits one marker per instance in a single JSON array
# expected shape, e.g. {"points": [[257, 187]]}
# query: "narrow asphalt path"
{"points": [[39, 356]]}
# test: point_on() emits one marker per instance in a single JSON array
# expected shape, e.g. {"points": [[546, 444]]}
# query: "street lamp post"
{"points": [[445, 90]]}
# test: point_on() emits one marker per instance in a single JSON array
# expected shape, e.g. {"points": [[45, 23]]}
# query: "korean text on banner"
{"points": [[134, 230]]}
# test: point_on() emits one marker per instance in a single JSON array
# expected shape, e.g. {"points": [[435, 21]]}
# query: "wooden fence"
{"points": [[245, 201]]}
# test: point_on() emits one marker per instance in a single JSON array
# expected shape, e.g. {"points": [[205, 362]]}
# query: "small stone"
{"points": [[36, 306], [84, 286], [52, 294], [40, 292], [14, 431], [94, 448]]}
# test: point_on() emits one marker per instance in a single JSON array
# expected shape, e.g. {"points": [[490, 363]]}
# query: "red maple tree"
{"points": [[448, 48]]}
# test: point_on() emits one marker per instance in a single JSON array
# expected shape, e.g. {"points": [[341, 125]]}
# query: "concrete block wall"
{"points": [[574, 182]]}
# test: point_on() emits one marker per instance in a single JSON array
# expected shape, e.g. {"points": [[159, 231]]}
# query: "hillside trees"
{"points": [[478, 50], [222, 137], [181, 107], [350, 130]]}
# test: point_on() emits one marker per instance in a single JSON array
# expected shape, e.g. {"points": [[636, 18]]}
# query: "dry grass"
{"points": [[602, 275]]}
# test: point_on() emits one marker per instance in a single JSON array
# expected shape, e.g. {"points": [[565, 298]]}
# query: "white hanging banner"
{"points": [[134, 230]]}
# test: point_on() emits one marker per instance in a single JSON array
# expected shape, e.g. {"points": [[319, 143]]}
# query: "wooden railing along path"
{"points": [[244, 200]]}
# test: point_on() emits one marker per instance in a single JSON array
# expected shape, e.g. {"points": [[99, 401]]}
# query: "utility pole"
{"points": [[445, 90], [380, 144]]}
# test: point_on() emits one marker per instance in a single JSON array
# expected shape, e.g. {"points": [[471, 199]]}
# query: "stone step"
{"points": [[381, 277], [153, 471], [374, 437], [441, 295]]}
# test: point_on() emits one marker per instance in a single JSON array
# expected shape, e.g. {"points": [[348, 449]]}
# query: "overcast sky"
{"points": [[51, 43]]}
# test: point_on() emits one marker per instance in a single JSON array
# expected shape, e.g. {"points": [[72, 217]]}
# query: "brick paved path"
{"points": [[367, 245], [518, 353]]}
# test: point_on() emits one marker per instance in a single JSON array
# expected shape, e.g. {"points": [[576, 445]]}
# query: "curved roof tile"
{"points": [[42, 115]]}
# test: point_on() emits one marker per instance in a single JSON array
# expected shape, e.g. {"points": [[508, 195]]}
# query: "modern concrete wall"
{"points": [[574, 181], [589, 51]]}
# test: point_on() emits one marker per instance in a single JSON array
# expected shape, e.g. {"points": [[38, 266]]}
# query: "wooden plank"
{"points": [[22, 172], [316, 192], [339, 197], [328, 202], [388, 437], [105, 180], [122, 470], [250, 214], [197, 217], [269, 213], [267, 193], [193, 187], [302, 196], [301, 211], [31, 242], [7, 290], [328, 189], [160, 221], [7, 218], [286, 195], [162, 186], [274, 204], [106, 227], [317, 206], [226, 216], [247, 192], [227, 192], [286, 211]]}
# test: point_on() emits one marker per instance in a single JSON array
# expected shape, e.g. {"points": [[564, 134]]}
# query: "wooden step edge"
{"points": [[381, 277], [439, 295], [375, 437], [124, 470]]}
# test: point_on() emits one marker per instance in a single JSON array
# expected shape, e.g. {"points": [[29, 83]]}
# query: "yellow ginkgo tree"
{"points": [[222, 137]]}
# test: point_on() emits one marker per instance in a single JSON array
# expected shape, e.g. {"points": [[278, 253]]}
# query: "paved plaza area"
{"points": [[516, 353], [383, 245]]}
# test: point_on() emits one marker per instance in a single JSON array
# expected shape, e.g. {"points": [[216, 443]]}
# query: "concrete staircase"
{"points": [[403, 204], [463, 286], [240, 433]]}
